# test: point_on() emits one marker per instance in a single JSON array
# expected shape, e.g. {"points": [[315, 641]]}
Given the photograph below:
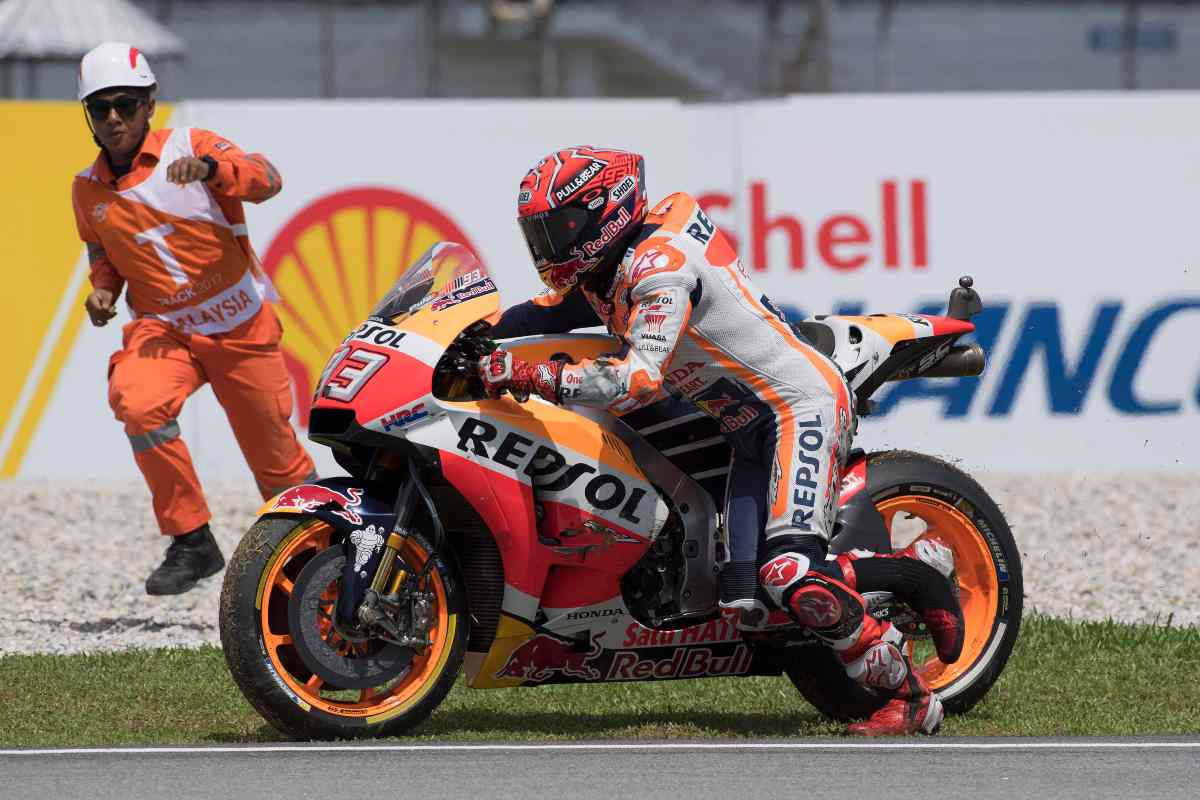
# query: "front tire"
{"points": [[262, 653], [921, 496]]}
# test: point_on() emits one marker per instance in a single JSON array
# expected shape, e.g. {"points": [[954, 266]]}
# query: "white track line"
{"points": [[799, 746]]}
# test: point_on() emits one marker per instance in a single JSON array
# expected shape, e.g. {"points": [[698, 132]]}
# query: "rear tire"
{"points": [[263, 659], [907, 486]]}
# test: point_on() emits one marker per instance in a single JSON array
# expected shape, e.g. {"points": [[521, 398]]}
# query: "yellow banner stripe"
{"points": [[45, 386], [38, 226]]}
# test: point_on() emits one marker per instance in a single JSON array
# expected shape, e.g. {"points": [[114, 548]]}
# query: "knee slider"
{"points": [[833, 612], [789, 559]]}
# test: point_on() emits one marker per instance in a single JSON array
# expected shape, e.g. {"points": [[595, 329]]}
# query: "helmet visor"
{"points": [[551, 234]]}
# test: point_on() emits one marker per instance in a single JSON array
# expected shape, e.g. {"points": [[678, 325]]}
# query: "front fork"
{"points": [[370, 595]]}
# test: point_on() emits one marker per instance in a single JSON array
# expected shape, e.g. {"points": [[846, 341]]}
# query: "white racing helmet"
{"points": [[113, 64]]}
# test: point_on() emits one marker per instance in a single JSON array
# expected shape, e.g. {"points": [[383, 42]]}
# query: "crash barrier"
{"points": [[1074, 213]]}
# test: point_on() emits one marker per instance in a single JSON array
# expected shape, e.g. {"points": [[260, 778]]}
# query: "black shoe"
{"points": [[190, 557]]}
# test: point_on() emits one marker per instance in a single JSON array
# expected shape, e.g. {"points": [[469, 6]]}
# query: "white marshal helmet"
{"points": [[113, 64]]}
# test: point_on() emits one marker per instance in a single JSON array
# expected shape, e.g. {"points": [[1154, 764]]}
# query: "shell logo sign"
{"points": [[335, 259]]}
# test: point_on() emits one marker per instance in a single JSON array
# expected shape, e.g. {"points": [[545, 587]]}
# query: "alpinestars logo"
{"points": [[884, 667], [780, 571], [819, 610]]}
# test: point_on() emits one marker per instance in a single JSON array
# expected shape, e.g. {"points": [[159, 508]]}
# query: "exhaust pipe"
{"points": [[963, 361]]}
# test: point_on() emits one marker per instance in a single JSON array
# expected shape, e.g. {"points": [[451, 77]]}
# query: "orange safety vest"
{"points": [[183, 250]]}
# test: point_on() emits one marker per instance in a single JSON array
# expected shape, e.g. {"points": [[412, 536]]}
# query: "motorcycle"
{"points": [[528, 544]]}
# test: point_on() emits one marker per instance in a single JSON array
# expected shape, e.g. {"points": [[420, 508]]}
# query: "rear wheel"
{"points": [[298, 670], [923, 497]]}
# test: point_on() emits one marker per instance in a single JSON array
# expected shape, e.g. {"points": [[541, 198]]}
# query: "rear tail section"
{"points": [[877, 348]]}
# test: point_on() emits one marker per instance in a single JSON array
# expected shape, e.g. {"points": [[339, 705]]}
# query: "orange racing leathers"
{"points": [[196, 294], [693, 324]]}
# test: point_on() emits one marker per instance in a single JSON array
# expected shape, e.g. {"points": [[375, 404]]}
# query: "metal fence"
{"points": [[696, 49]]}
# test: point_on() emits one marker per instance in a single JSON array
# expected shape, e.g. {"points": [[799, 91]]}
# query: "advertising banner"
{"points": [[1071, 212], [1074, 214]]}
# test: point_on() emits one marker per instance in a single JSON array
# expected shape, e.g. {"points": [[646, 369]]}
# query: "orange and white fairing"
{"points": [[596, 512], [863, 343]]}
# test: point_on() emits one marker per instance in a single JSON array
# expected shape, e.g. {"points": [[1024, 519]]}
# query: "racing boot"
{"points": [[869, 649], [912, 709], [190, 557], [878, 661], [923, 576]]}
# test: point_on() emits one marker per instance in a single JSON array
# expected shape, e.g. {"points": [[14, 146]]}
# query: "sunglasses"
{"points": [[125, 105]]}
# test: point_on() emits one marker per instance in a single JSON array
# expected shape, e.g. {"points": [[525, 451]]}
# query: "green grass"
{"points": [[1063, 678]]}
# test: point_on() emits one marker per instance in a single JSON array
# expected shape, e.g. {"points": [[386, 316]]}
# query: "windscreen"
{"points": [[448, 274]]}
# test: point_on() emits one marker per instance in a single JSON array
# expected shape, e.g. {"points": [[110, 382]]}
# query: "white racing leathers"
{"points": [[694, 325]]}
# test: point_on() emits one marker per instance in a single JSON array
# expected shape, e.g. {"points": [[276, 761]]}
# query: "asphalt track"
{"points": [[979, 769]]}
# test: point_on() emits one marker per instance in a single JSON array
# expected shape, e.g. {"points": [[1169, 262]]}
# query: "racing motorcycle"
{"points": [[528, 544]]}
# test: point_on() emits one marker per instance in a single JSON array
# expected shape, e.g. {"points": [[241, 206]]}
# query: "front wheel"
{"points": [[293, 665], [920, 496]]}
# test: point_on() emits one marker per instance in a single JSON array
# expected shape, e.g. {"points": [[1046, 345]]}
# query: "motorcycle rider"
{"points": [[161, 215], [671, 287]]}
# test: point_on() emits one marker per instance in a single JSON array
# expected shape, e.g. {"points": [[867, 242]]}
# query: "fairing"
{"points": [[570, 496], [599, 511], [383, 370], [877, 348], [360, 514], [569, 506]]}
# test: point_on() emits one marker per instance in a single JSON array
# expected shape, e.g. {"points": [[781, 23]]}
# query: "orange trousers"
{"points": [[158, 368]]}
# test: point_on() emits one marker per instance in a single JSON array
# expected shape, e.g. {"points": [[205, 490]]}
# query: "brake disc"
{"points": [[322, 649]]}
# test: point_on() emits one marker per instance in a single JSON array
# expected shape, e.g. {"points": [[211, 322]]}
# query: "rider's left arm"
{"points": [[633, 378], [547, 313]]}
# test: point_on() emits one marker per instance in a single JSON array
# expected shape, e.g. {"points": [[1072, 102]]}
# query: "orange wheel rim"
{"points": [[978, 587], [375, 703]]}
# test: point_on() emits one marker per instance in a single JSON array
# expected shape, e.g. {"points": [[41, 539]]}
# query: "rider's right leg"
{"points": [[815, 594], [784, 483], [784, 480], [798, 578]]}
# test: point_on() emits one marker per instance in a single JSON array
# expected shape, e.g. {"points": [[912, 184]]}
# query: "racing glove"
{"points": [[500, 370]]}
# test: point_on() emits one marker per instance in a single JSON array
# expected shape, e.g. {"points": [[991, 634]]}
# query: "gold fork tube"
{"points": [[388, 560], [397, 579]]}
